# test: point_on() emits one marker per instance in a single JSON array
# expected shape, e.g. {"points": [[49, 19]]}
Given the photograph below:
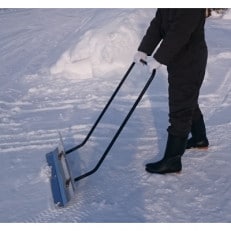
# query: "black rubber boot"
{"points": [[198, 139], [171, 161]]}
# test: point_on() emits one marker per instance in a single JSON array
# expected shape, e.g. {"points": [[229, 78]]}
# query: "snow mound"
{"points": [[100, 50]]}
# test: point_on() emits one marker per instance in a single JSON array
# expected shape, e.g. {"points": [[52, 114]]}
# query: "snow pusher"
{"points": [[61, 180]]}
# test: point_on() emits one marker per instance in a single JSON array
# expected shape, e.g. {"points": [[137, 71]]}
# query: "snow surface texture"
{"points": [[58, 69]]}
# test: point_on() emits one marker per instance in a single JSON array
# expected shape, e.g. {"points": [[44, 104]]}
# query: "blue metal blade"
{"points": [[61, 183]]}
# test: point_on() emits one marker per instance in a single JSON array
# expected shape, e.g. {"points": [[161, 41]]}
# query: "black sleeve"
{"points": [[152, 36], [179, 32]]}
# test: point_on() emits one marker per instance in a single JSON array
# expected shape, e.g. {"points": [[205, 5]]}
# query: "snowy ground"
{"points": [[58, 69]]}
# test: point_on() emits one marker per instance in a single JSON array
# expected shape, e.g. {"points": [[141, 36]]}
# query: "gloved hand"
{"points": [[140, 56], [153, 64]]}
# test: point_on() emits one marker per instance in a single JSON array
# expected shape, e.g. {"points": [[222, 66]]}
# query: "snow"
{"points": [[228, 14], [58, 69]]}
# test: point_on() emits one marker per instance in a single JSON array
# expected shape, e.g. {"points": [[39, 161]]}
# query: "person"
{"points": [[176, 37]]}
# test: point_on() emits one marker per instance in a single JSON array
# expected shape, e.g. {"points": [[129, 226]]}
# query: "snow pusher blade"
{"points": [[62, 185]]}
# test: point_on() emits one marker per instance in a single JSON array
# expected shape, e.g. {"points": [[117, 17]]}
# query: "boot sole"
{"points": [[163, 172], [199, 148]]}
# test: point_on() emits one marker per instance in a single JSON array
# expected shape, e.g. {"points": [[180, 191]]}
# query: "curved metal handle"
{"points": [[103, 111], [119, 130]]}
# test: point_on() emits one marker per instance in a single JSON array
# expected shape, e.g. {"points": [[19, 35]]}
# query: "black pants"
{"points": [[184, 87]]}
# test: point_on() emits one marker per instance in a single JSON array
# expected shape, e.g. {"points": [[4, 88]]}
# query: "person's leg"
{"points": [[180, 116], [183, 95], [198, 131], [185, 80], [182, 98]]}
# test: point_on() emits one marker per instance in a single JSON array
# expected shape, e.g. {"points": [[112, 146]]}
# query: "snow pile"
{"points": [[98, 52], [102, 49]]}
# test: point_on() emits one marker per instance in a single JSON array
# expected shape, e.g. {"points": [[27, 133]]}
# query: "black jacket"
{"points": [[181, 32]]}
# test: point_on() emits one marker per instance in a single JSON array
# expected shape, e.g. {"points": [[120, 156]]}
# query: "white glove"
{"points": [[153, 64], [140, 56]]}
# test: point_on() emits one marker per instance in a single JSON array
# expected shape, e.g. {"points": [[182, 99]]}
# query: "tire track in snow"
{"points": [[40, 139], [29, 115], [16, 138]]}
